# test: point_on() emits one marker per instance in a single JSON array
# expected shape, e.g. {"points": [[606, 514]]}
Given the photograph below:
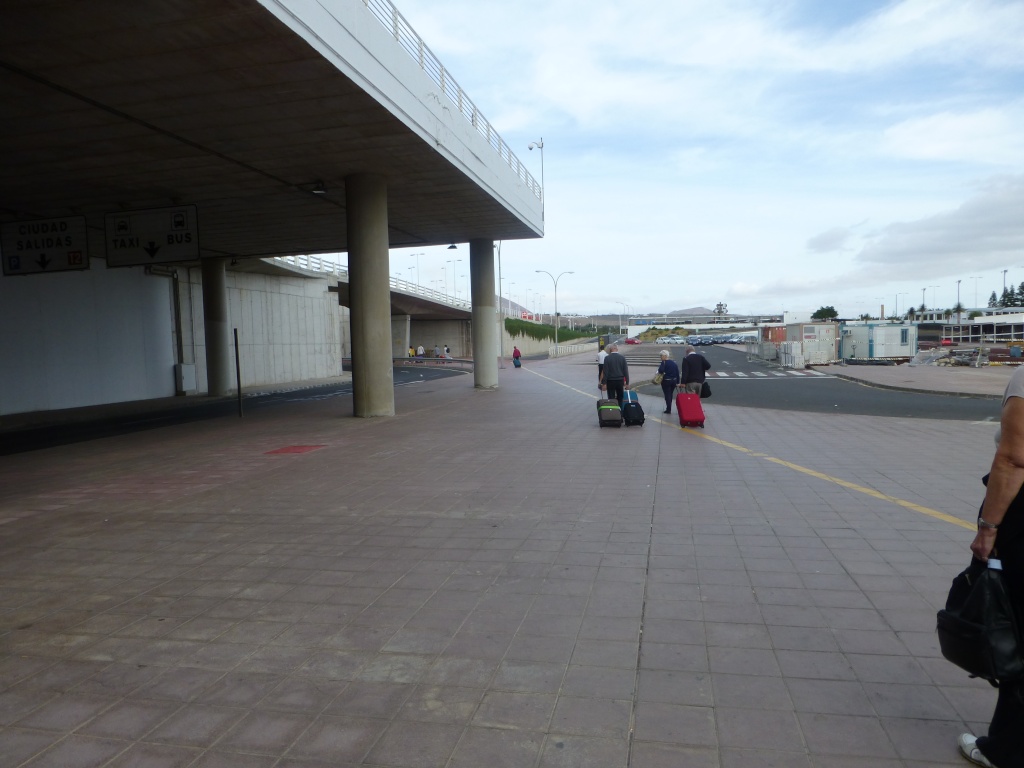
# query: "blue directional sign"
{"points": [[44, 245]]}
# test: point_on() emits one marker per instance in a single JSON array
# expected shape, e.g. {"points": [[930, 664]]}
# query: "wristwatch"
{"points": [[983, 523]]}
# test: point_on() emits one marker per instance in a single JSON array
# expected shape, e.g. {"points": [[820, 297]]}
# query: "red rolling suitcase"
{"points": [[691, 413]]}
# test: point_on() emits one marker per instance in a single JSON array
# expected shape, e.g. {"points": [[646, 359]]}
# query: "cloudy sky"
{"points": [[769, 154]]}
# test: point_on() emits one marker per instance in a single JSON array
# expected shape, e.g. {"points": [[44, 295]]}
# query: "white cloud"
{"points": [[990, 136]]}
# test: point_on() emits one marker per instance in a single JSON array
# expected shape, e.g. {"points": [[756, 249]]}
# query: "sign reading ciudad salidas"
{"points": [[152, 236], [45, 245]]}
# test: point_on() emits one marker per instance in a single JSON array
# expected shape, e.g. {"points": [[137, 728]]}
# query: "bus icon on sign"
{"points": [[178, 221]]}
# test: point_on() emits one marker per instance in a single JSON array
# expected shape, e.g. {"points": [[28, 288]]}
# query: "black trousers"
{"points": [[615, 389], [1004, 745], [669, 389]]}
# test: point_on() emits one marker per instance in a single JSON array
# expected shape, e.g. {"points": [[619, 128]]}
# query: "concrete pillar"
{"points": [[401, 326], [485, 314], [373, 388], [219, 359]]}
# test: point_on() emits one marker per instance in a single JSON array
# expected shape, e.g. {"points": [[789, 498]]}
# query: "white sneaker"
{"points": [[968, 744]]}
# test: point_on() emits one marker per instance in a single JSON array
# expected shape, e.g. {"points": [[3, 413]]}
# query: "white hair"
{"points": [[665, 353]]}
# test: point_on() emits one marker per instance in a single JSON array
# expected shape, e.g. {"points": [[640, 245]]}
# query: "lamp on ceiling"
{"points": [[453, 247], [319, 189]]}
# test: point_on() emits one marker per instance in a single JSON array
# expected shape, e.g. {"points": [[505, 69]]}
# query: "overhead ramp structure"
{"points": [[291, 126]]}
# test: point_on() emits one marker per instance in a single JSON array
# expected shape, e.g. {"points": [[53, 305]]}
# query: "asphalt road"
{"points": [[755, 385]]}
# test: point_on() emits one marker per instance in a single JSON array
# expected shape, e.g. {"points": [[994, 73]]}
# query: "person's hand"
{"points": [[984, 541]]}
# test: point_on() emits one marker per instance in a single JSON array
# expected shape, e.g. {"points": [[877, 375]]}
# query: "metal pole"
{"points": [[238, 374]]}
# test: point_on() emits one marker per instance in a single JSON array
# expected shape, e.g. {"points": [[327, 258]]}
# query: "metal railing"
{"points": [[317, 264], [413, 44], [564, 350]]}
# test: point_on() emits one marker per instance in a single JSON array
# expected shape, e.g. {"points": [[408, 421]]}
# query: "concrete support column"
{"points": [[215, 326], [373, 388], [485, 314]]}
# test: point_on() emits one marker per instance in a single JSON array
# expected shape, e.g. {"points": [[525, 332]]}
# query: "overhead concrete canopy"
{"points": [[241, 107]]}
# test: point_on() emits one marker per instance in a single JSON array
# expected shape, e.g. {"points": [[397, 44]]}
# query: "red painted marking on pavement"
{"points": [[294, 449]]}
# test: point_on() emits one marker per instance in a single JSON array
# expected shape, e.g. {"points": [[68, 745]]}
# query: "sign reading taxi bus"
{"points": [[152, 236], [45, 245]]}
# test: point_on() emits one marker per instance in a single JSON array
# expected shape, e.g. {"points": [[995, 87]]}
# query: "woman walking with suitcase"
{"points": [[669, 372]]}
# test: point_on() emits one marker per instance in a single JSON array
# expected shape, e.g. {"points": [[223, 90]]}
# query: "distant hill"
{"points": [[693, 311]]}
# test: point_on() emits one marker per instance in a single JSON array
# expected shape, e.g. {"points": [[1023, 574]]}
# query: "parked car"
{"points": [[947, 342], [633, 340]]}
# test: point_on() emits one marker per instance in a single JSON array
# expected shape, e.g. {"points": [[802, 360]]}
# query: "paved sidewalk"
{"points": [[489, 579], [988, 381]]}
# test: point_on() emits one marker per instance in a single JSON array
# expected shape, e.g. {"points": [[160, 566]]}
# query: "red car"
{"points": [[633, 341], [947, 342]]}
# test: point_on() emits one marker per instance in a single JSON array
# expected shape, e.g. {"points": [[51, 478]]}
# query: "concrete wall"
{"points": [[526, 344], [289, 328], [73, 339], [455, 333]]}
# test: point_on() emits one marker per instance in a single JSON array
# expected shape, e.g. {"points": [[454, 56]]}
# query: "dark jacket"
{"points": [[669, 370], [694, 365], [615, 367]]}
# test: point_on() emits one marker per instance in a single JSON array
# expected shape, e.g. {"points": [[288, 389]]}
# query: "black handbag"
{"points": [[705, 389], [978, 628]]}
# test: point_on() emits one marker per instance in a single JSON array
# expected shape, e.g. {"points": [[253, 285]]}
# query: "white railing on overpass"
{"points": [[562, 350], [413, 44], [318, 264]]}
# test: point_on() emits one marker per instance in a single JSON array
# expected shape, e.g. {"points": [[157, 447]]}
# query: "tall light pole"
{"points": [[1004, 279], [975, 279], [453, 262], [510, 284], [540, 145], [622, 313], [898, 303], [554, 280], [417, 255], [958, 310]]}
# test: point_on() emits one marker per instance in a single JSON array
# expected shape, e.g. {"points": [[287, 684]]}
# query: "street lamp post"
{"points": [[554, 280], [975, 279], [540, 145], [958, 321], [417, 255], [453, 262]]}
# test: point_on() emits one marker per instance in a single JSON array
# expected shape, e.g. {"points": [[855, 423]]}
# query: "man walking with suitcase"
{"points": [[693, 367], [615, 375]]}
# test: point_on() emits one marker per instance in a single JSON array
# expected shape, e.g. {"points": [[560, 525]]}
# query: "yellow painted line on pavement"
{"points": [[933, 513]]}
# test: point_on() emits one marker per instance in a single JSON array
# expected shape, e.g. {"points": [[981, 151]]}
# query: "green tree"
{"points": [[993, 300], [958, 308], [825, 313]]}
